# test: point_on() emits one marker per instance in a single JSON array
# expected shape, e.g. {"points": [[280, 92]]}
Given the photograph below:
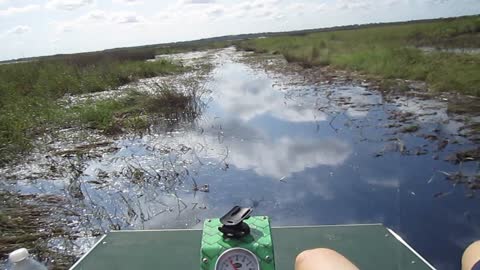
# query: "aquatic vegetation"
{"points": [[24, 224], [133, 112], [465, 156], [410, 129], [390, 51], [29, 92]]}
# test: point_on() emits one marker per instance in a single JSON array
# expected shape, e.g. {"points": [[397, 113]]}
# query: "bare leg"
{"points": [[471, 256], [322, 259]]}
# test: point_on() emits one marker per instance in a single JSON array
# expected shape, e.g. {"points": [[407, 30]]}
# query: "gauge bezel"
{"points": [[241, 249]]}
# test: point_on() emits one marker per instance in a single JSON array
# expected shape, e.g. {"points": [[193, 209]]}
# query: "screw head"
{"points": [[267, 258], [205, 260], [209, 220]]}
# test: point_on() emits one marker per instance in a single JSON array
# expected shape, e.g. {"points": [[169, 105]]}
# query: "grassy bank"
{"points": [[29, 91], [133, 112], [390, 51], [193, 47]]}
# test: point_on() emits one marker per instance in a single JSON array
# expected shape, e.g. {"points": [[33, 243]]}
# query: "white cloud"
{"points": [[321, 7], [128, 2], [353, 4], [297, 8], [258, 4], [264, 14], [99, 17], [16, 10], [393, 2], [250, 5], [68, 4], [197, 1], [288, 155], [208, 10], [19, 30], [384, 183], [279, 17], [96, 15], [257, 9], [126, 18], [216, 11], [162, 16], [65, 27], [255, 97], [250, 148]]}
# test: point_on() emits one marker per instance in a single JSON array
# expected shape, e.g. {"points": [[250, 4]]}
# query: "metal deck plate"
{"points": [[368, 246]]}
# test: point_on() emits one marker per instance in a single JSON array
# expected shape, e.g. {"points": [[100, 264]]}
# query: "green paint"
{"points": [[259, 242], [368, 246]]}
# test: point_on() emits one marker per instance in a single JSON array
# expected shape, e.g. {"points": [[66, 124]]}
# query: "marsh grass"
{"points": [[390, 51], [135, 112], [192, 47], [29, 92], [25, 225]]}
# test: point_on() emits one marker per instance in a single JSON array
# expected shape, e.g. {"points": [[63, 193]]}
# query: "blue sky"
{"points": [[42, 27]]}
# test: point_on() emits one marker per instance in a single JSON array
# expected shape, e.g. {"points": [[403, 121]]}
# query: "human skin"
{"points": [[322, 259], [471, 256]]}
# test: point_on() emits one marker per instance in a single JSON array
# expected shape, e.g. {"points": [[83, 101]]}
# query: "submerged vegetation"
{"points": [[24, 224], [391, 51], [131, 112], [29, 92]]}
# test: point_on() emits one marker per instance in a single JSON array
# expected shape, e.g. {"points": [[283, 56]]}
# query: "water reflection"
{"points": [[300, 154], [249, 148], [252, 96], [285, 156]]}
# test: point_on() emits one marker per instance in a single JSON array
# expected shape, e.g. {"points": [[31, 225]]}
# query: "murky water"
{"points": [[302, 154]]}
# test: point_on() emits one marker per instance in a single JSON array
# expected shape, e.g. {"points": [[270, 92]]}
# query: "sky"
{"points": [[45, 27]]}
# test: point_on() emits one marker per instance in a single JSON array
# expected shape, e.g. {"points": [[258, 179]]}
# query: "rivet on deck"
{"points": [[267, 258], [205, 260]]}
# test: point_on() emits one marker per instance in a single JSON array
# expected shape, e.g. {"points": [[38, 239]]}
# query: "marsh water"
{"points": [[302, 153]]}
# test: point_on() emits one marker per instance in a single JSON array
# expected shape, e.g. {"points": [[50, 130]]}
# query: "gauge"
{"points": [[237, 259]]}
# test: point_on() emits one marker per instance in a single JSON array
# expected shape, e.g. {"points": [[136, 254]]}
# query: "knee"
{"points": [[473, 245], [317, 254], [322, 258], [471, 255], [473, 249]]}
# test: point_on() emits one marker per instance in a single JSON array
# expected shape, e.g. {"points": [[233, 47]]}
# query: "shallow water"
{"points": [[302, 154]]}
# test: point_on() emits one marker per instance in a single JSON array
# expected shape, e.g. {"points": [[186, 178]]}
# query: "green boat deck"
{"points": [[368, 246]]}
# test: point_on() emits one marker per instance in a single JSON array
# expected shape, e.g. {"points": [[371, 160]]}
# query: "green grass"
{"points": [[130, 113], [390, 51], [410, 129], [29, 93], [193, 46], [26, 120]]}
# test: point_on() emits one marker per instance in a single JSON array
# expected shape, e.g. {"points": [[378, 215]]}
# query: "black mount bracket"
{"points": [[233, 225]]}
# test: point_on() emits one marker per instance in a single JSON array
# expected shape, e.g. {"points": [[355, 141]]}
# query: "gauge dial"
{"points": [[237, 259]]}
